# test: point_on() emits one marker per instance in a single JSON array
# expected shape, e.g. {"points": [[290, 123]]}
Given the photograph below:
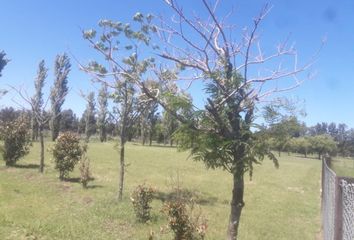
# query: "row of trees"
{"points": [[144, 60], [290, 135]]}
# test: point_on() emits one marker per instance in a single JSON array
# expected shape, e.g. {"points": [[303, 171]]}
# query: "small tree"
{"points": [[16, 139], [67, 152], [60, 89], [237, 76], [85, 173], [121, 73], [90, 122], [141, 198]]}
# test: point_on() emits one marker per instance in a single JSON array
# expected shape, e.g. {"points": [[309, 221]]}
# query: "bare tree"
{"points": [[38, 106], [239, 77]]}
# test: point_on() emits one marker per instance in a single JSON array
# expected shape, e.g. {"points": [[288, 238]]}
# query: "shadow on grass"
{"points": [[27, 166], [94, 186], [76, 180], [154, 145], [308, 157], [186, 194]]}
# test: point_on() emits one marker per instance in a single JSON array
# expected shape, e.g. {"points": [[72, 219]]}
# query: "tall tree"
{"points": [[60, 89], [102, 112], [90, 123], [38, 107], [37, 99]]}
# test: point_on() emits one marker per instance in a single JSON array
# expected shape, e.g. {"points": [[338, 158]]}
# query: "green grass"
{"points": [[343, 167], [280, 204]]}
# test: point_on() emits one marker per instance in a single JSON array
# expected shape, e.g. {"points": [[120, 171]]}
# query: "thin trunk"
{"points": [[122, 164], [279, 152], [41, 138], [237, 204], [150, 138]]}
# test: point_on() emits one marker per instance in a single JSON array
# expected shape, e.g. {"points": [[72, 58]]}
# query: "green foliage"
{"points": [[16, 139], [3, 61], [182, 222], [323, 144], [141, 199], [67, 152], [301, 145], [37, 100], [58, 92], [90, 122]]}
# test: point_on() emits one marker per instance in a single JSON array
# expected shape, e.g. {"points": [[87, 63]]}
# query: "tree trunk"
{"points": [[150, 138], [122, 164], [279, 152], [236, 206], [41, 138]]}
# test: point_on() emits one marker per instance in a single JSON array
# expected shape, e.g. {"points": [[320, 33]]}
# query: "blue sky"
{"points": [[40, 29]]}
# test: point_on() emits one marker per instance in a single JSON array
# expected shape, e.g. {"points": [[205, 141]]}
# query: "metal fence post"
{"points": [[338, 210]]}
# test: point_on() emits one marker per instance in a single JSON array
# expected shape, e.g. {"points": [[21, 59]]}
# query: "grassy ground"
{"points": [[343, 166], [280, 204]]}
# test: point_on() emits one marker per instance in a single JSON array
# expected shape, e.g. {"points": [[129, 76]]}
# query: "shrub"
{"points": [[85, 174], [141, 198], [67, 152], [15, 135], [183, 222]]}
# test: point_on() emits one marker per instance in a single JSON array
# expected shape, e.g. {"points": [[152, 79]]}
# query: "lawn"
{"points": [[281, 203], [343, 167]]}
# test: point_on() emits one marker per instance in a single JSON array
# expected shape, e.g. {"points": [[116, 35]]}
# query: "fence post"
{"points": [[338, 210]]}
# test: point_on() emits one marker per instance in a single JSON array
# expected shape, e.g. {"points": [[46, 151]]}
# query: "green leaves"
{"points": [[15, 135]]}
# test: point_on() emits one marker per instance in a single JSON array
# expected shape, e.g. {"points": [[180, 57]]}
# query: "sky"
{"points": [[39, 29]]}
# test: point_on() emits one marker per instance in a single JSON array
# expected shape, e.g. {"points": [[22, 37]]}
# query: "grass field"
{"points": [[280, 204], [343, 167]]}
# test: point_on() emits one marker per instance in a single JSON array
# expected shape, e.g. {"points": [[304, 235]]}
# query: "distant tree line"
{"points": [[290, 135]]}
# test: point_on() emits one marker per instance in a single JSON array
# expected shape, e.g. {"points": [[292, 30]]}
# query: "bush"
{"points": [[141, 198], [183, 222], [85, 174], [16, 139], [67, 152]]}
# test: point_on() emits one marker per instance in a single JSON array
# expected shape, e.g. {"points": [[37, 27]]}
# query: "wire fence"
{"points": [[337, 205]]}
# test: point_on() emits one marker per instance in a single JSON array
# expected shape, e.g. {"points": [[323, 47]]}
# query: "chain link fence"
{"points": [[337, 205]]}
